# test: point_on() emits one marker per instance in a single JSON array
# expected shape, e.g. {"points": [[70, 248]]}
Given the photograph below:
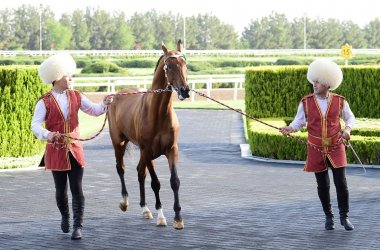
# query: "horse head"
{"points": [[175, 67]]}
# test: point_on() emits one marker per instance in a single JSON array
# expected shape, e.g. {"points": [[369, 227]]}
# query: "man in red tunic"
{"points": [[58, 110], [321, 111]]}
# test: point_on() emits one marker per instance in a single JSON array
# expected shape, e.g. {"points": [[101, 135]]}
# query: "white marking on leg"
{"points": [[146, 213], [123, 205], [161, 221]]}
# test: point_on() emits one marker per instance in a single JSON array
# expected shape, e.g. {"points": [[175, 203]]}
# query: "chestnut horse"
{"points": [[149, 121]]}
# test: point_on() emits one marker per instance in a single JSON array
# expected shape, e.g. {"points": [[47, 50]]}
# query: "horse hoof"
{"points": [[178, 224], [161, 222], [147, 215], [123, 205]]}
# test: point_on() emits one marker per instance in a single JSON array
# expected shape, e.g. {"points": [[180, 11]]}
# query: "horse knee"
{"points": [[120, 169]]}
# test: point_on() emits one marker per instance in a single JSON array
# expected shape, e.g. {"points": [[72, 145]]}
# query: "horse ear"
{"points": [[179, 45], [164, 48]]}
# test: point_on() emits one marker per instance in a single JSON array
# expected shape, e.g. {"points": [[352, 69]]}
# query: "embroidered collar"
{"points": [[58, 92]]}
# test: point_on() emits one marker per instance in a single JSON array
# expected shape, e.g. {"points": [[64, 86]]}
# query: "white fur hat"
{"points": [[55, 67], [325, 72]]}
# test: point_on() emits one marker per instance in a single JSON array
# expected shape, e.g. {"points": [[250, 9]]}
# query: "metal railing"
{"points": [[237, 80], [189, 52]]}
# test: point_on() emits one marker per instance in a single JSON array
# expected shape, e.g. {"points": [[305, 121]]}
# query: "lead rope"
{"points": [[154, 91], [269, 125]]}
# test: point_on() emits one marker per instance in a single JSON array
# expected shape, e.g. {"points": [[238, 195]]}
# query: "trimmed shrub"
{"points": [[20, 89], [270, 143], [275, 91]]}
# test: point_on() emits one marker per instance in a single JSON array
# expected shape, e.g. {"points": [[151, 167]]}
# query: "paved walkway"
{"points": [[228, 202]]}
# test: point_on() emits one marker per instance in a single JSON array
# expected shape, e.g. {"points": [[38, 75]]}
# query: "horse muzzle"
{"points": [[183, 93]]}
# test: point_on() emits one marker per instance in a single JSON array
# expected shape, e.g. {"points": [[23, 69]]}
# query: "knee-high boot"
{"points": [[78, 210], [63, 206], [324, 197], [343, 205]]}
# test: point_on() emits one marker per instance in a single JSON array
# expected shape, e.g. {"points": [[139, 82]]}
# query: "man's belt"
{"points": [[323, 141]]}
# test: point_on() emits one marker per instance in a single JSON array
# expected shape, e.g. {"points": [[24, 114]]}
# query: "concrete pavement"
{"points": [[228, 202]]}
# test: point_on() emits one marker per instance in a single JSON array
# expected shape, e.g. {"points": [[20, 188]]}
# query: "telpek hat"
{"points": [[325, 72], [55, 67]]}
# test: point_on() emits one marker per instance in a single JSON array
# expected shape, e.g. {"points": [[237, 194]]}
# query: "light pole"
{"points": [[184, 32], [304, 31], [40, 12]]}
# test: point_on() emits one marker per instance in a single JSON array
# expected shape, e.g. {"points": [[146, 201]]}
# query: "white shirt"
{"points": [[40, 112], [300, 119]]}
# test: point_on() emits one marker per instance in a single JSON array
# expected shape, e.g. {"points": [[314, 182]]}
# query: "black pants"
{"points": [[74, 175], [323, 181]]}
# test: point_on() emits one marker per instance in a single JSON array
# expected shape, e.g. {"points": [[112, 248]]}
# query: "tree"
{"points": [[59, 36], [143, 30], [7, 38], [122, 37], [353, 35], [101, 27], [372, 33]]}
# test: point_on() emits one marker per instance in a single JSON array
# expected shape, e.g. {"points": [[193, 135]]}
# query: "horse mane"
{"points": [[158, 62]]}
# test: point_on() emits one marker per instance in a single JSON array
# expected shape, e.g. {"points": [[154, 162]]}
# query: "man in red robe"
{"points": [[321, 112], [58, 110]]}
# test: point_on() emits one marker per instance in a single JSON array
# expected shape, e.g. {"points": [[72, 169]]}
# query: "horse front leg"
{"points": [[119, 154], [175, 183], [156, 186]]}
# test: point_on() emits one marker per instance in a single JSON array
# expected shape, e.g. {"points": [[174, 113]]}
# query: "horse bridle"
{"points": [[166, 66]]}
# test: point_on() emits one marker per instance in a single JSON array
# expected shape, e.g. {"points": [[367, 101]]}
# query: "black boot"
{"points": [[344, 221], [343, 205], [63, 206], [78, 210], [324, 197], [329, 224]]}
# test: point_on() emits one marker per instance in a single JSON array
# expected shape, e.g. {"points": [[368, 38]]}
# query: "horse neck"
{"points": [[162, 101]]}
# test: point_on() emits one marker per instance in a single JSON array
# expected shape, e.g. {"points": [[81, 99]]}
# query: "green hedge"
{"points": [[270, 143], [20, 88], [103, 67], [275, 91]]}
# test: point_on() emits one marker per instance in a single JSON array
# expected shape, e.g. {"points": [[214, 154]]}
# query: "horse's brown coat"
{"points": [[149, 121]]}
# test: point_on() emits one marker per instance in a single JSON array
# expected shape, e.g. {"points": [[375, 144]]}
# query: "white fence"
{"points": [[145, 82], [189, 52]]}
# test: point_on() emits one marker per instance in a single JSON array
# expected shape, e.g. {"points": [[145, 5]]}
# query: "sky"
{"points": [[236, 12]]}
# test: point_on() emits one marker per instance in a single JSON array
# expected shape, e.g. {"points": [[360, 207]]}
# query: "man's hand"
{"points": [[53, 136], [107, 100], [346, 134], [286, 130]]}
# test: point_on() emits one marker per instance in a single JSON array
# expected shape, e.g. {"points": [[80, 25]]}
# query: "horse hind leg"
{"points": [[156, 186], [119, 155], [141, 172]]}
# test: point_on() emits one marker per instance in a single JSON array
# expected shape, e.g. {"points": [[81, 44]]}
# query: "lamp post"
{"points": [[40, 12], [184, 32], [304, 31]]}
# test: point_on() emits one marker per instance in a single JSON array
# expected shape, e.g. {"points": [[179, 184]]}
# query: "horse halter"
{"points": [[166, 65]]}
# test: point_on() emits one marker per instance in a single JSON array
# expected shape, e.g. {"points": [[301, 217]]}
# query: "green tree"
{"points": [[59, 36], [297, 33], [372, 33], [7, 38], [143, 30], [80, 33], [122, 37], [325, 34], [101, 27], [353, 35]]}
